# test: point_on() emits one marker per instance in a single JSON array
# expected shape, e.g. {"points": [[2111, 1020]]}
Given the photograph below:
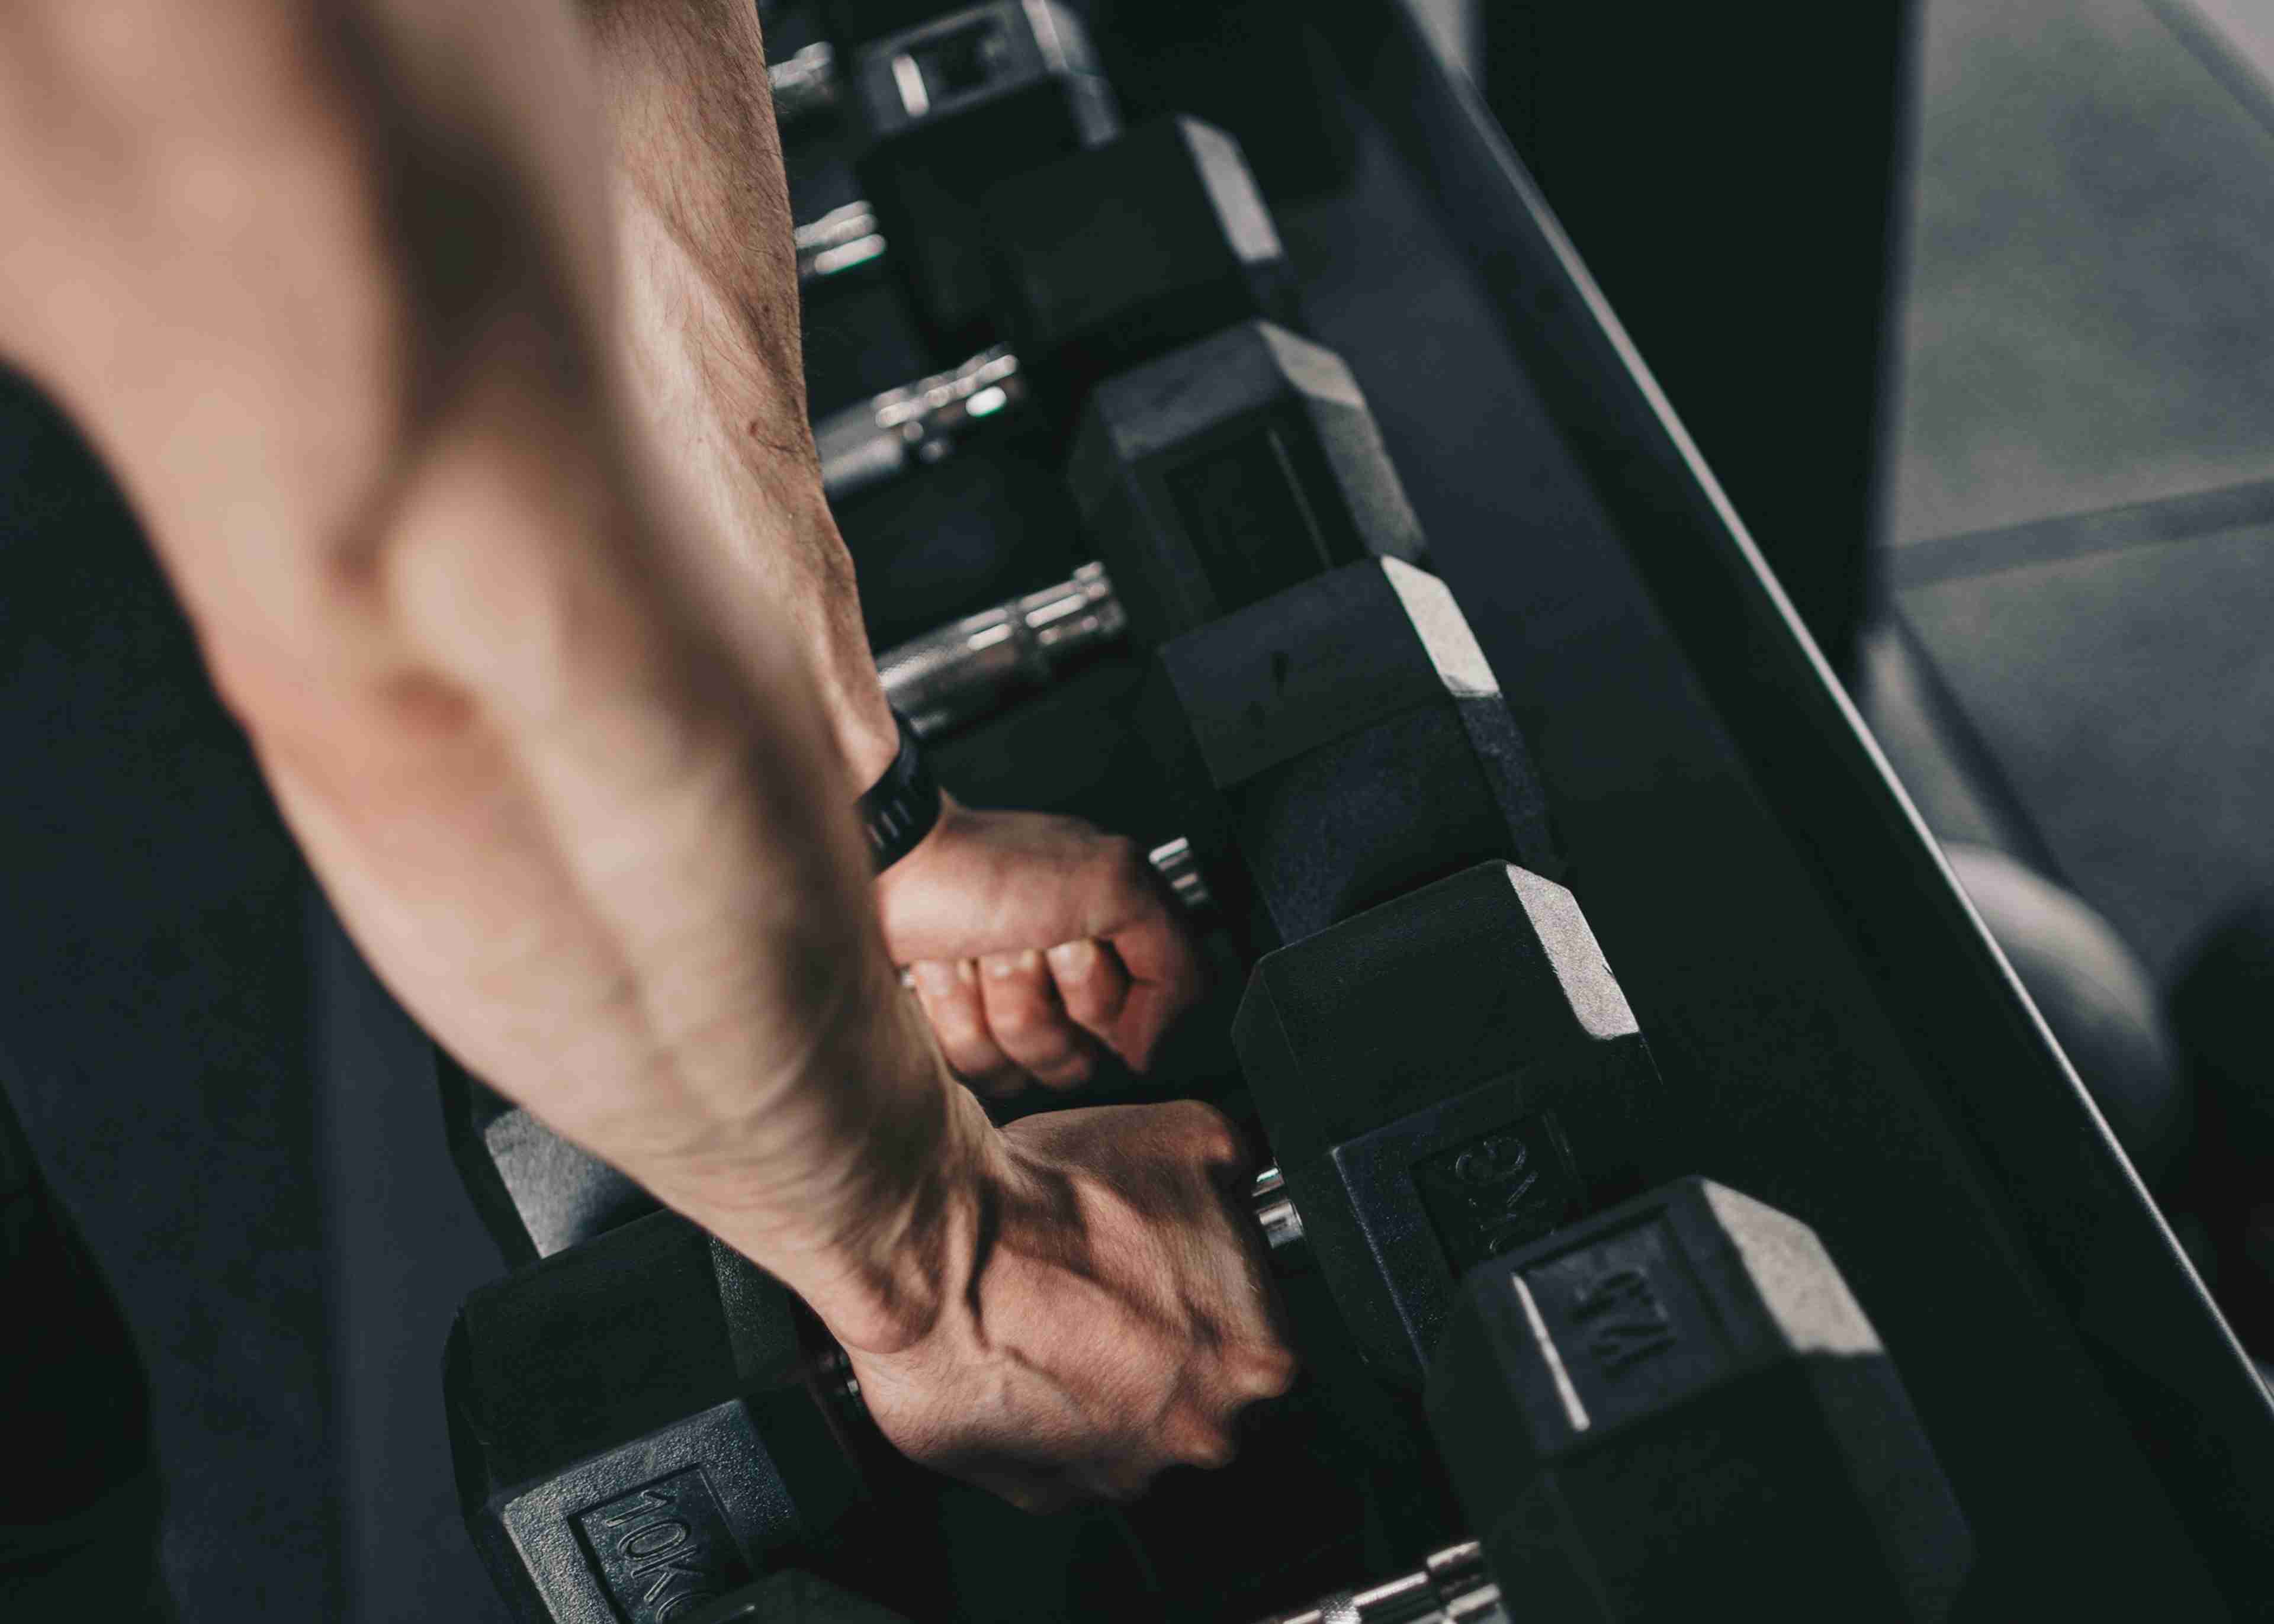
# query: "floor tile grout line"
{"points": [[2158, 523]]}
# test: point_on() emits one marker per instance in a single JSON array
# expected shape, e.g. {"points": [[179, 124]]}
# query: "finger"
{"points": [[1027, 1021], [951, 999], [1093, 987], [1164, 975], [1195, 1442], [1264, 1371]]}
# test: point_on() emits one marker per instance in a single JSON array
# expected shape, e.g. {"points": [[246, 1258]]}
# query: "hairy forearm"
{"points": [[579, 809], [710, 324]]}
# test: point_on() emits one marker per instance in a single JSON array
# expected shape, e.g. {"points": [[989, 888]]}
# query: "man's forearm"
{"points": [[708, 295], [346, 346]]}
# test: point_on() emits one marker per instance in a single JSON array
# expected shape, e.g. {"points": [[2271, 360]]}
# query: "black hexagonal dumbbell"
{"points": [[1677, 1409], [1336, 744], [1441, 1077], [1680, 1401], [948, 106], [1208, 479], [643, 1423], [1083, 266], [1257, 67]]}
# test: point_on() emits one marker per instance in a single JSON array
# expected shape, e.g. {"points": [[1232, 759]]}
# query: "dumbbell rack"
{"points": [[1847, 1041]]}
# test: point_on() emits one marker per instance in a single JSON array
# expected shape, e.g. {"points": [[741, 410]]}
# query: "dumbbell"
{"points": [[1675, 1409], [645, 1421], [947, 102], [1096, 263], [805, 85], [1257, 67], [1441, 1078], [958, 114], [958, 110], [946, 109], [1260, 68], [855, 23], [1208, 480], [950, 99], [651, 1379]]}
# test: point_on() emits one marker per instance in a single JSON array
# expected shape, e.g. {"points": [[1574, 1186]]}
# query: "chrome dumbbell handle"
{"points": [[841, 240], [1452, 1587], [804, 83], [1274, 1210], [965, 670], [883, 437]]}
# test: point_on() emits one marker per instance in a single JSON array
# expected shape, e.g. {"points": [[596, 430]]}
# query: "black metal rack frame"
{"points": [[1851, 1043]]}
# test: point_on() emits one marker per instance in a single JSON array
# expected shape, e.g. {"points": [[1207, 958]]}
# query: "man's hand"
{"points": [[1034, 940], [1104, 1313]]}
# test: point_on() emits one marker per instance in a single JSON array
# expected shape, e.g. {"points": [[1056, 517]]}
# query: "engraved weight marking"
{"points": [[1495, 1162], [648, 1500], [675, 1534], [1625, 1320], [662, 1558]]}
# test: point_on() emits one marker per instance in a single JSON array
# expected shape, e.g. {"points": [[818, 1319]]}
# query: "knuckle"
{"points": [[1019, 1020], [1121, 863], [964, 1044], [1205, 1444], [958, 1026], [1071, 1072], [1209, 1134], [1086, 1004], [1270, 1372]]}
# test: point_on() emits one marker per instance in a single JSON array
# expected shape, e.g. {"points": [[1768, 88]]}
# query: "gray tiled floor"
{"points": [[2090, 327], [2091, 302]]}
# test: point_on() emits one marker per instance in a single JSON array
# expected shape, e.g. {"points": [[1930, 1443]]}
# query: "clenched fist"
{"points": [[1105, 1312], [1035, 941]]}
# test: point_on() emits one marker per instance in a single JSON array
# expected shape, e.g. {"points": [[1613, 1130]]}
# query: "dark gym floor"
{"points": [[2081, 574]]}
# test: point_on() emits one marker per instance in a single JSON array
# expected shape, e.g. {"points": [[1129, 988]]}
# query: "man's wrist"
{"points": [[867, 733], [892, 1280], [901, 808]]}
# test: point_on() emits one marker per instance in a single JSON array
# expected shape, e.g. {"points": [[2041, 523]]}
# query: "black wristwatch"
{"points": [[900, 808]]}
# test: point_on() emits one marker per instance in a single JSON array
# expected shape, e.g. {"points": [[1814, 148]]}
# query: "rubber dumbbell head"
{"points": [[640, 1423], [1229, 470], [535, 1193], [948, 106], [1337, 744], [1678, 1408], [1444, 1076], [1101, 262], [1260, 68], [646, 1421], [857, 22], [1111, 256]]}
